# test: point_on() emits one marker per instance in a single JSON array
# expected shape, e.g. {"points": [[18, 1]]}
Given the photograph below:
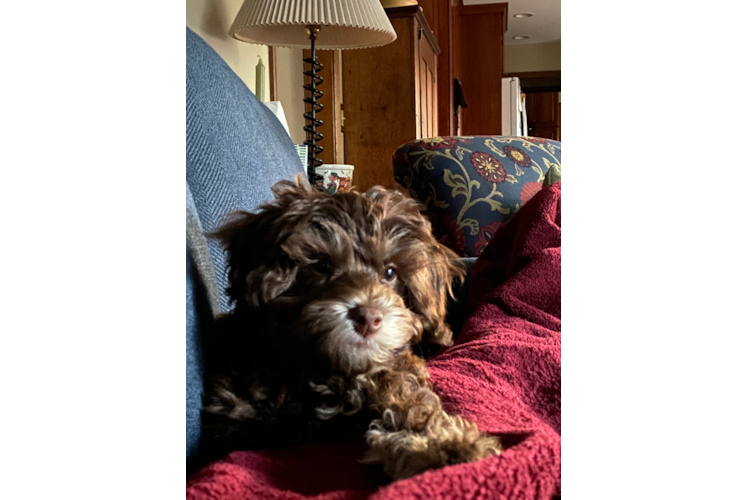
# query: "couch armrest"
{"points": [[472, 185]]}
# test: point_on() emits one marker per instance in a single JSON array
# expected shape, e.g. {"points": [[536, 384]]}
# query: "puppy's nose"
{"points": [[366, 320]]}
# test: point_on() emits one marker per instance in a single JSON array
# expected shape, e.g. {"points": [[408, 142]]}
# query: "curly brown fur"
{"points": [[330, 293], [414, 433]]}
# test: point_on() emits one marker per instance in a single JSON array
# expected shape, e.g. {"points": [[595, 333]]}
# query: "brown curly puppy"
{"points": [[330, 293]]}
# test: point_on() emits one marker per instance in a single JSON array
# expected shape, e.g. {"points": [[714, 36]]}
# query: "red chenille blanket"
{"points": [[504, 373]]}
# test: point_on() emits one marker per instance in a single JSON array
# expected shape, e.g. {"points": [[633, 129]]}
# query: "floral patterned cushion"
{"points": [[472, 185]]}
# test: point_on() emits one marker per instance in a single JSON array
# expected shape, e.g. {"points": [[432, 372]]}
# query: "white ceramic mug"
{"points": [[335, 177]]}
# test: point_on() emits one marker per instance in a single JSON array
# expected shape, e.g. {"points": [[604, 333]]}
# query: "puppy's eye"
{"points": [[390, 274], [322, 266]]}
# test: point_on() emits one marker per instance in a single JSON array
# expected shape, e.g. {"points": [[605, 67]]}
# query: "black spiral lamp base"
{"points": [[314, 107]]}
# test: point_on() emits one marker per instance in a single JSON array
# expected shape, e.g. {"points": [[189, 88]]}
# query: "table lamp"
{"points": [[315, 24]]}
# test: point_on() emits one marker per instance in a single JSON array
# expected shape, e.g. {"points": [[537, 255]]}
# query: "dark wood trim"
{"points": [[273, 73], [536, 74], [538, 90], [428, 32], [404, 11], [533, 82]]}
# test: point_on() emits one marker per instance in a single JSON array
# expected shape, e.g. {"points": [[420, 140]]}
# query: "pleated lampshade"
{"points": [[345, 24]]}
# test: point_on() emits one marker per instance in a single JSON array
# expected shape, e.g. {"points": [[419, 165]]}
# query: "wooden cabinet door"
{"points": [[379, 92], [428, 115], [543, 115], [481, 66]]}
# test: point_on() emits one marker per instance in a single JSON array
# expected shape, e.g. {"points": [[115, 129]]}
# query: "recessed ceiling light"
{"points": [[522, 37], [524, 14]]}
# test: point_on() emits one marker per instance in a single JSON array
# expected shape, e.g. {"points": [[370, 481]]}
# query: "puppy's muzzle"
{"points": [[367, 320]]}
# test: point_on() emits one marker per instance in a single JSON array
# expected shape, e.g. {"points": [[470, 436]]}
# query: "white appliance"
{"points": [[513, 114]]}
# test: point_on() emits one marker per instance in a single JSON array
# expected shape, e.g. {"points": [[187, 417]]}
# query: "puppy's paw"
{"points": [[461, 441], [448, 441], [402, 453]]}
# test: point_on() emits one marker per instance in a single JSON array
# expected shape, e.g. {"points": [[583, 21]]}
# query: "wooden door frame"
{"points": [[273, 73]]}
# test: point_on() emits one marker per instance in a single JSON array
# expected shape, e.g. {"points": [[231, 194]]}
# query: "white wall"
{"points": [[532, 57], [291, 91], [211, 19]]}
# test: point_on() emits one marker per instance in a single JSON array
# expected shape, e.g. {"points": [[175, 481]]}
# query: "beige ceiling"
{"points": [[543, 26]]}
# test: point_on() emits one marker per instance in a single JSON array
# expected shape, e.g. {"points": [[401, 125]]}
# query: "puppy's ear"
{"points": [[257, 274], [258, 271], [429, 288], [428, 282]]}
